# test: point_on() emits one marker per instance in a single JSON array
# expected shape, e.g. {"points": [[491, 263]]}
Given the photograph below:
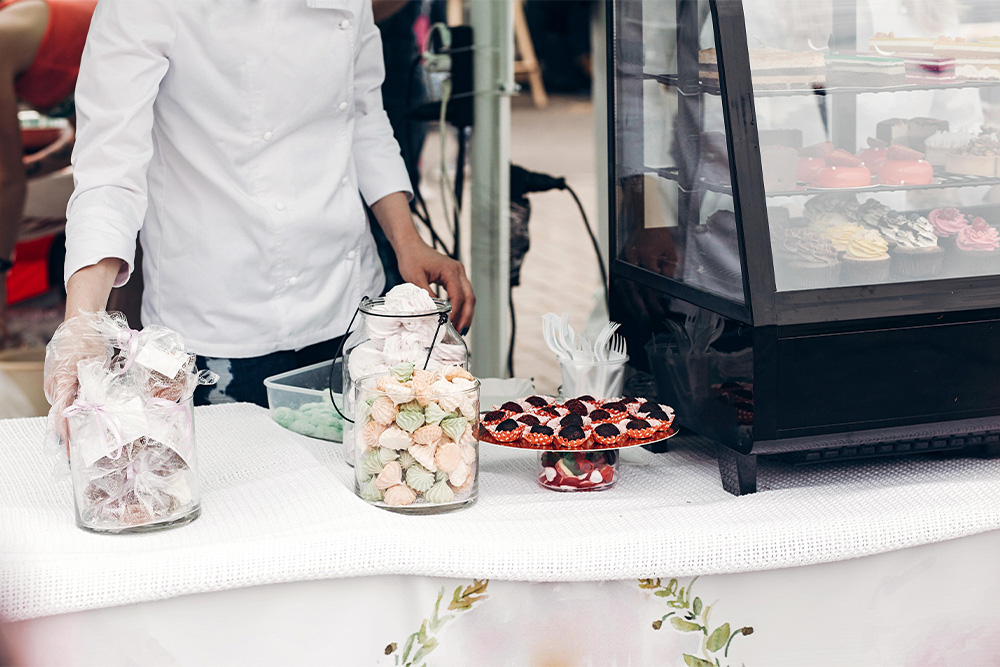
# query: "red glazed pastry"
{"points": [[571, 437], [905, 166], [807, 168], [608, 434], [843, 177], [875, 155], [539, 435], [507, 431]]}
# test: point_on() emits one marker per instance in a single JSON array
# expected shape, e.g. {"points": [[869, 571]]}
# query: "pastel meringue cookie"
{"points": [[419, 478], [384, 410], [408, 299], [468, 407], [380, 329], [454, 427], [469, 453], [406, 346], [402, 372], [448, 456], [391, 475], [464, 486], [398, 392], [424, 455], [449, 355], [399, 495], [372, 466], [468, 437], [456, 371], [446, 395], [434, 414], [428, 434], [422, 382], [406, 459], [370, 492], [409, 420], [395, 438], [439, 493], [461, 473], [366, 359], [370, 433]]}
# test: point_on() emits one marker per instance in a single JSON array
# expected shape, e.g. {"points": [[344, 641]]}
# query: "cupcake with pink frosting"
{"points": [[947, 223], [977, 246]]}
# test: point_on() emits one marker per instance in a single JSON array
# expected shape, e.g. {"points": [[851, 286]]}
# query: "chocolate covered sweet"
{"points": [[507, 425], [576, 406], [529, 420], [600, 415], [571, 436], [537, 401], [494, 417], [511, 406], [572, 419]]}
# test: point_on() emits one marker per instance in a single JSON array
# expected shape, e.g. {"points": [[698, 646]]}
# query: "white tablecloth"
{"points": [[279, 507]]}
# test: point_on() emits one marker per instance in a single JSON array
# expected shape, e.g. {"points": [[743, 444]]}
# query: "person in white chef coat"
{"points": [[241, 137]]}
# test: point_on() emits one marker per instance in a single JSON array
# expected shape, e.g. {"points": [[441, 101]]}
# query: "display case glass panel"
{"points": [[880, 153], [677, 219]]}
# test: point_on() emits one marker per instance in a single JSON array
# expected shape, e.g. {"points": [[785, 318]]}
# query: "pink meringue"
{"points": [[469, 454], [399, 495], [370, 433], [384, 410], [391, 475], [448, 456], [424, 454], [461, 474], [427, 435], [395, 438]]}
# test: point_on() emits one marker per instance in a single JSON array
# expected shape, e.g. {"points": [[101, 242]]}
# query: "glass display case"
{"points": [[805, 202]]}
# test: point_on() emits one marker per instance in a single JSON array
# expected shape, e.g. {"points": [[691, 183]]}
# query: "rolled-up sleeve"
{"points": [[125, 59], [381, 170]]}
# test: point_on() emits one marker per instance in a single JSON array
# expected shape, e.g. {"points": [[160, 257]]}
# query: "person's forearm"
{"points": [[52, 158], [393, 215], [88, 289], [12, 195]]}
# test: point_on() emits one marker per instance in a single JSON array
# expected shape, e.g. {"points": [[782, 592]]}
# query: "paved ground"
{"points": [[560, 270]]}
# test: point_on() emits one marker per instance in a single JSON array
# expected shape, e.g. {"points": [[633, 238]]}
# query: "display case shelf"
{"points": [[944, 180], [671, 80]]}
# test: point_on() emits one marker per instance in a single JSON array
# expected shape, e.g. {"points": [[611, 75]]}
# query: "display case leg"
{"points": [[739, 471]]}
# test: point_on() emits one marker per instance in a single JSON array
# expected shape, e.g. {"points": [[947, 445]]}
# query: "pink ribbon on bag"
{"points": [[106, 422], [172, 406], [128, 342]]}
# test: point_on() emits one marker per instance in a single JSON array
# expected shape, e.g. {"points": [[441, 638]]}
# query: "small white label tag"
{"points": [[165, 363]]}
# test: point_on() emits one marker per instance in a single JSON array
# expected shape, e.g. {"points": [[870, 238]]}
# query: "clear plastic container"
{"points": [[135, 469], [417, 453], [425, 339], [300, 400], [576, 470]]}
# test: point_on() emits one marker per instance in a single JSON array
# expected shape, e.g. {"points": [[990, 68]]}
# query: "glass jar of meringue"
{"points": [[407, 325], [416, 451]]}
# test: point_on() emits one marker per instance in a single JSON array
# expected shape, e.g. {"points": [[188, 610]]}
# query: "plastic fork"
{"points": [[617, 348]]}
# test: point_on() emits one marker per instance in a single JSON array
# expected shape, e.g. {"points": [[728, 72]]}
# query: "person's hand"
{"points": [[422, 265], [76, 340]]}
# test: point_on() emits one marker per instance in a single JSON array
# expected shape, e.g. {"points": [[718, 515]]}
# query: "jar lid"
{"points": [[369, 307]]}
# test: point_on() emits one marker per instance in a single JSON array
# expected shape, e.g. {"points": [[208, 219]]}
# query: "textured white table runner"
{"points": [[280, 507]]}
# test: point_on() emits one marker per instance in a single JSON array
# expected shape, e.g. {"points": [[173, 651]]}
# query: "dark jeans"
{"points": [[242, 380]]}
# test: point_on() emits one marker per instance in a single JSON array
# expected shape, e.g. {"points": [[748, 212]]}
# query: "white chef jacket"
{"points": [[237, 134]]}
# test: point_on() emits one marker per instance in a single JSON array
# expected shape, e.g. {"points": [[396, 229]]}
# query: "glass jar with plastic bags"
{"points": [[405, 326], [130, 423]]}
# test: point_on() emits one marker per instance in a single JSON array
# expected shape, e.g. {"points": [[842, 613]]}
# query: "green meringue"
{"points": [[419, 478], [413, 406], [372, 465], [433, 413], [406, 459], [439, 493], [402, 372], [409, 421], [441, 476], [370, 492], [454, 427]]}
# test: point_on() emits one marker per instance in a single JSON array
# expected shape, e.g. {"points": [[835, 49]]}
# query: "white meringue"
{"points": [[395, 438], [424, 454]]}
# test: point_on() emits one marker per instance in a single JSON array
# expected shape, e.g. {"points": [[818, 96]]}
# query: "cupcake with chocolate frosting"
{"points": [[803, 259], [913, 246]]}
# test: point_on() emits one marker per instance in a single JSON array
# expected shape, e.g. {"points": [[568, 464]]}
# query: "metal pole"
{"points": [[493, 27]]}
